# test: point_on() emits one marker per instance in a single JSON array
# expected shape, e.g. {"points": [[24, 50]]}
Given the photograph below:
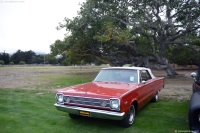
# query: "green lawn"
{"points": [[33, 111], [26, 111]]}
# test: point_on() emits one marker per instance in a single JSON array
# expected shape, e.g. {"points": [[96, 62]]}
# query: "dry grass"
{"points": [[41, 77], [22, 77]]}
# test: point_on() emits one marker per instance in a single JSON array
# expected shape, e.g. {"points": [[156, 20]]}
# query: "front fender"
{"points": [[194, 111]]}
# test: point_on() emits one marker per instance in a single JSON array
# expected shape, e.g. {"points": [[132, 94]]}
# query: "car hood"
{"points": [[99, 89]]}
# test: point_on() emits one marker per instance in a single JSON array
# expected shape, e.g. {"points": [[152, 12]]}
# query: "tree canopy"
{"points": [[5, 57], [141, 32]]}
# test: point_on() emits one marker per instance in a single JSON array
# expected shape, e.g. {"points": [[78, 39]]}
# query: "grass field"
{"points": [[29, 107]]}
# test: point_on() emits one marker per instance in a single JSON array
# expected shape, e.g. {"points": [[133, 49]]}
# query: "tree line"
{"points": [[146, 33], [27, 57]]}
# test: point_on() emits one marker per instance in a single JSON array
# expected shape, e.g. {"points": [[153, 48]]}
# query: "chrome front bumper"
{"points": [[104, 114]]}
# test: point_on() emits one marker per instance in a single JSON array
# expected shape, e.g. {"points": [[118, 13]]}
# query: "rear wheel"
{"points": [[155, 98], [72, 116], [128, 120]]}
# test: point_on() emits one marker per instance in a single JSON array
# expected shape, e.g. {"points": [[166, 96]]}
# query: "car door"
{"points": [[146, 89]]}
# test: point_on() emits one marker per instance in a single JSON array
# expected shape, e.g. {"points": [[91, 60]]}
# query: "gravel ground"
{"points": [[179, 88]]}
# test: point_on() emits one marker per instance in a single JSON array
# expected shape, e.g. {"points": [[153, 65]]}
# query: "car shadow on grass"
{"points": [[88, 124], [163, 116], [96, 122]]}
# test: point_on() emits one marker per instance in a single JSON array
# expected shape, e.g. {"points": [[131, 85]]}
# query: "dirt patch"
{"points": [[179, 88], [18, 77]]}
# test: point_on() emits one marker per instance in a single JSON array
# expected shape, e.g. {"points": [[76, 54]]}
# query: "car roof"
{"points": [[132, 68]]}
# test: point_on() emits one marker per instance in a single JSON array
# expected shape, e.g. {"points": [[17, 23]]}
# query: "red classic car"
{"points": [[116, 93]]}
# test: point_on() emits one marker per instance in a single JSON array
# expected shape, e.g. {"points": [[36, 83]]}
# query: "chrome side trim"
{"points": [[84, 97], [104, 114]]}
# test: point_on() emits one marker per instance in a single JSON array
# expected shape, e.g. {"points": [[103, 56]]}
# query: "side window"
{"points": [[144, 75]]}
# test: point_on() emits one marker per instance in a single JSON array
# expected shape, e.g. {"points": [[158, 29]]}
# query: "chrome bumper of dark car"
{"points": [[93, 112]]}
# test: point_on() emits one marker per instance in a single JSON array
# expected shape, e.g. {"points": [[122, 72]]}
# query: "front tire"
{"points": [[129, 118]]}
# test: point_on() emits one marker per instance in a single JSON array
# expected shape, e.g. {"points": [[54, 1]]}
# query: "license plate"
{"points": [[84, 113]]}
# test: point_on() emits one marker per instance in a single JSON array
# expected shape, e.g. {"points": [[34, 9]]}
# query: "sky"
{"points": [[31, 24]]}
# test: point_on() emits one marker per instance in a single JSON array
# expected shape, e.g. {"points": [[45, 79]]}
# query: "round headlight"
{"points": [[114, 103], [60, 98]]}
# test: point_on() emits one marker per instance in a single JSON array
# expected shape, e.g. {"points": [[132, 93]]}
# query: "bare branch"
{"points": [[184, 32]]}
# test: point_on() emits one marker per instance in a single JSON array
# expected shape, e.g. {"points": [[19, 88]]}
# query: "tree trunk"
{"points": [[170, 71], [161, 64]]}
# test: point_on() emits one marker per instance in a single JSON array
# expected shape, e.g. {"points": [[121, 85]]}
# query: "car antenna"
{"points": [[81, 71], [82, 61]]}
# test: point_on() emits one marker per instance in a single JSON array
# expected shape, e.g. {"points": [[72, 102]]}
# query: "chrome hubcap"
{"points": [[131, 118], [156, 97], [131, 115]]}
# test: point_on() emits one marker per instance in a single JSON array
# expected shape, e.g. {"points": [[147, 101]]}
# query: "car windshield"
{"points": [[117, 75]]}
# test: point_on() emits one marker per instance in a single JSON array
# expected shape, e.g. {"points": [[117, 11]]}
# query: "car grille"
{"points": [[86, 101]]}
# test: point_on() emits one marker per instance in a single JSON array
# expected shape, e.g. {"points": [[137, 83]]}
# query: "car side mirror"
{"points": [[143, 82], [194, 75]]}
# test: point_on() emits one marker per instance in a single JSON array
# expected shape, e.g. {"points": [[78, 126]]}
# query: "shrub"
{"points": [[1, 62], [21, 62], [11, 63], [184, 55]]}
